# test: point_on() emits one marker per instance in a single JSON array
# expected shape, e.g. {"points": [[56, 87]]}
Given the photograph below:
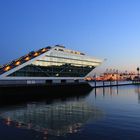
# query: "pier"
{"points": [[97, 84]]}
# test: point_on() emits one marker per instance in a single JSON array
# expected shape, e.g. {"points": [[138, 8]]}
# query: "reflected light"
{"points": [[55, 119], [8, 121]]}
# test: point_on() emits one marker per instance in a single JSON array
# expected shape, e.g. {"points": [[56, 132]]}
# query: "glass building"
{"points": [[48, 62]]}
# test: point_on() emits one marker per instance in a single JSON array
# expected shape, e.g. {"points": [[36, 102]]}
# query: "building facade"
{"points": [[50, 63]]}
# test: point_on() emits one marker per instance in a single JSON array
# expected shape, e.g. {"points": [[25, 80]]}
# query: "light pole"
{"points": [[117, 72], [138, 69]]}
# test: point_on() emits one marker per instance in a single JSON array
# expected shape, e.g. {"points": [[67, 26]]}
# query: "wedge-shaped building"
{"points": [[49, 65]]}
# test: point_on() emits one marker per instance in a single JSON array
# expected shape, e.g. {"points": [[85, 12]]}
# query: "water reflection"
{"points": [[137, 90], [52, 119], [105, 91], [105, 113]]}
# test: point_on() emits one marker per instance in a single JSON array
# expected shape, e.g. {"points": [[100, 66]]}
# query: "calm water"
{"points": [[104, 114]]}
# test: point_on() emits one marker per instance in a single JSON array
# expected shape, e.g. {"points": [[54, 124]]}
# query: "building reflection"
{"points": [[105, 91], [137, 90], [52, 119]]}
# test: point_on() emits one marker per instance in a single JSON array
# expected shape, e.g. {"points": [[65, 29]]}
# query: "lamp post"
{"points": [[138, 69], [117, 72]]}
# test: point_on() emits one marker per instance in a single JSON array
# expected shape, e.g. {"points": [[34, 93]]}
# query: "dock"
{"points": [[97, 84]]}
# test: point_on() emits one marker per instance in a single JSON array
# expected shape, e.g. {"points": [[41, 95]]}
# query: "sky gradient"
{"points": [[101, 28]]}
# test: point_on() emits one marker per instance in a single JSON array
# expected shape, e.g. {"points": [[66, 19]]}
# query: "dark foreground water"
{"points": [[103, 114]]}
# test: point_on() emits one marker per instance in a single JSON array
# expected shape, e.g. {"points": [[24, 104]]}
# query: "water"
{"points": [[102, 114]]}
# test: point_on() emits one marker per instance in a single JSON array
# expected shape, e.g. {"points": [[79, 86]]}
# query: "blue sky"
{"points": [[101, 28]]}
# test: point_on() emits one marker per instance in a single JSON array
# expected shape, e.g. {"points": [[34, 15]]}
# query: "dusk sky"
{"points": [[101, 28]]}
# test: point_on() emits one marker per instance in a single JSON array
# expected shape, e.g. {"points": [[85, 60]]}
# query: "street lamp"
{"points": [[138, 69], [117, 72]]}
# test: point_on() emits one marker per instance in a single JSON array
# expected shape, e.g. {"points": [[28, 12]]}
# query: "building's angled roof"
{"points": [[23, 61], [29, 58]]}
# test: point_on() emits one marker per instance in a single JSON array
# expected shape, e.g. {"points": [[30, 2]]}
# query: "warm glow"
{"points": [[43, 50], [8, 121], [113, 77], [17, 63], [27, 58], [7, 68], [35, 54], [88, 78]]}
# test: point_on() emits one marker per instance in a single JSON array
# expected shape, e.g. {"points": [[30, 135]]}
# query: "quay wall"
{"points": [[45, 82], [29, 82]]}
